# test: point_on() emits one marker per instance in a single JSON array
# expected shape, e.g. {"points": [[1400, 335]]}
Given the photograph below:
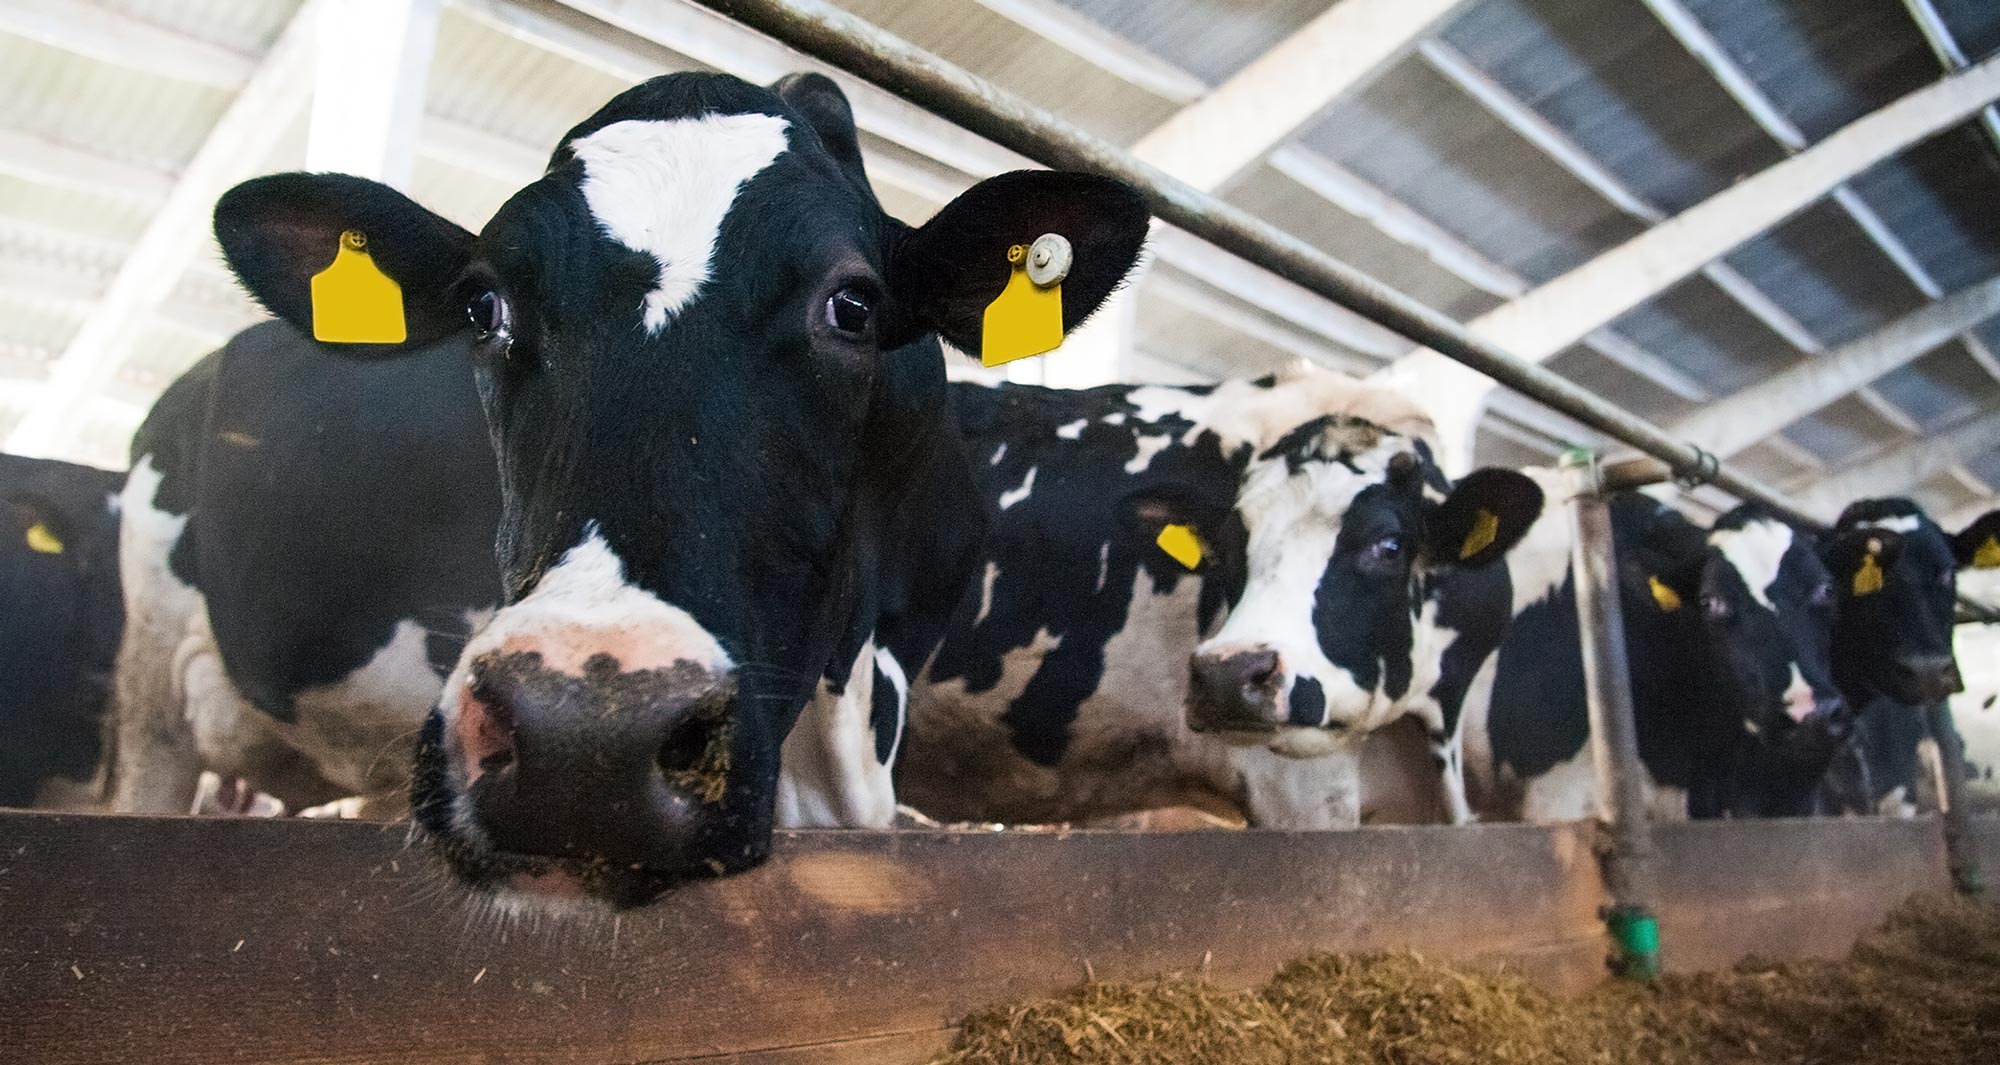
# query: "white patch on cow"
{"points": [[998, 454], [1976, 711], [1073, 430], [986, 591], [1103, 564], [1896, 803], [1241, 412], [1798, 696], [1901, 523], [156, 766], [830, 777], [1539, 564], [1116, 417], [1755, 552], [1015, 495], [1149, 446], [664, 188], [583, 607], [361, 730], [1321, 792]]}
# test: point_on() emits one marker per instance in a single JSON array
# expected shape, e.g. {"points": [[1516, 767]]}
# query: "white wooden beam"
{"points": [[177, 234], [1937, 33], [120, 40], [373, 61], [1898, 469], [1563, 311], [1078, 34], [30, 157], [1169, 287], [1261, 106]]}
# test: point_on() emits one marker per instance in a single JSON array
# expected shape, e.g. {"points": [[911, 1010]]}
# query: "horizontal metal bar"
{"points": [[836, 37]]}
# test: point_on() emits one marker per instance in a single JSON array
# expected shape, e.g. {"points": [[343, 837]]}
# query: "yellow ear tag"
{"points": [[1988, 555], [42, 540], [1181, 544], [1868, 579], [1668, 599], [1025, 320], [1485, 530], [353, 301]]}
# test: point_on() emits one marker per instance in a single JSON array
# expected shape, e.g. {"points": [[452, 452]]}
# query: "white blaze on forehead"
{"points": [[1901, 523], [1755, 551], [664, 187]]}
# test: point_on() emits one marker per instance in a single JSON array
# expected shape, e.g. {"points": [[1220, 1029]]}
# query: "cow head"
{"points": [[1896, 573], [1344, 520], [705, 355], [1766, 609]]}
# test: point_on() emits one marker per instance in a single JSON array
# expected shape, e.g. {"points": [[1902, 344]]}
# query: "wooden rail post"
{"points": [[1626, 853]]}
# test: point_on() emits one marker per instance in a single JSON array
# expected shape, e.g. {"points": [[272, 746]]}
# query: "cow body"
{"points": [[1057, 692], [1896, 572], [60, 615], [1726, 635], [312, 545]]}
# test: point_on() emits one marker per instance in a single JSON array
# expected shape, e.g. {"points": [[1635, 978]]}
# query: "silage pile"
{"points": [[1922, 990]]}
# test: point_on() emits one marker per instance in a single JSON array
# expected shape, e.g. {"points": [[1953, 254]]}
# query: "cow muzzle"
{"points": [[1236, 691], [1924, 679]]}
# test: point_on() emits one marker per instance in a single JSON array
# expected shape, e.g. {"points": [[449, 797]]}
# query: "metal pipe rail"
{"points": [[833, 36]]}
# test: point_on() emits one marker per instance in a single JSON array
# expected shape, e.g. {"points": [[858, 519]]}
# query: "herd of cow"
{"points": [[664, 526]]}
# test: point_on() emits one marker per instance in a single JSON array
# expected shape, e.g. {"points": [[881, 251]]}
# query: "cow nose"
{"points": [[1234, 691], [1931, 677], [609, 766]]}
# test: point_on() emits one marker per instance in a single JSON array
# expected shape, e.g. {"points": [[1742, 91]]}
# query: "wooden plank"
{"points": [[176, 940], [1787, 888]]}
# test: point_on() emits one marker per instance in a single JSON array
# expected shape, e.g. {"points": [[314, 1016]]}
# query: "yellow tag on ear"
{"points": [[1181, 544], [1026, 320], [1668, 599], [42, 540], [353, 301], [1988, 555], [1868, 579], [1485, 529]]}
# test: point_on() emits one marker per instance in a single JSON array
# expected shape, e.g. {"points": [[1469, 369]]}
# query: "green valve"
{"points": [[1637, 933]]}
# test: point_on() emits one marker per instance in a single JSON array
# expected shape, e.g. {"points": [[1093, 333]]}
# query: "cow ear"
{"points": [[818, 99], [1861, 558], [946, 273], [278, 232], [1977, 546], [1170, 520], [1486, 514]]}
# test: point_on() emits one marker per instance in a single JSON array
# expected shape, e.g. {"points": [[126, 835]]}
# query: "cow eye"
{"points": [[1385, 550], [1822, 594], [1716, 607], [1948, 578], [488, 312], [849, 311]]}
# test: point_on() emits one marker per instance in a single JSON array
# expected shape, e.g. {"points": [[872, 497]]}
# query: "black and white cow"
{"points": [[60, 615], [705, 358], [1727, 638], [1057, 694], [1897, 572]]}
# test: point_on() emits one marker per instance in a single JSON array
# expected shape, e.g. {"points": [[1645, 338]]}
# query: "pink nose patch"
{"points": [[483, 732]]}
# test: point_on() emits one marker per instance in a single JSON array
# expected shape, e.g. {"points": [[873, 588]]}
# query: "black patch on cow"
{"points": [[885, 716], [1307, 705], [1474, 603], [1363, 608]]}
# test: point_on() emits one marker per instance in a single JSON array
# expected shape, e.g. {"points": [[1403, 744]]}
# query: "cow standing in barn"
{"points": [[706, 362], [1727, 633], [60, 614], [1304, 509], [1897, 571]]}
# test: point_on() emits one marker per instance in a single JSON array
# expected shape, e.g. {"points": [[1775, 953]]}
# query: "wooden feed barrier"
{"points": [[167, 940]]}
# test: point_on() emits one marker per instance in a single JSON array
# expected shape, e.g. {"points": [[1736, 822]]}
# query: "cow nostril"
{"points": [[1258, 667], [695, 755], [486, 727]]}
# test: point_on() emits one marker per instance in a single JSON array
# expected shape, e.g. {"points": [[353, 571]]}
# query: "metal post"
{"points": [[1626, 854], [1966, 875]]}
